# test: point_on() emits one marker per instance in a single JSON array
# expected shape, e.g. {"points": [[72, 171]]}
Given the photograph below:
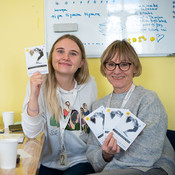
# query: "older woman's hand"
{"points": [[110, 148]]}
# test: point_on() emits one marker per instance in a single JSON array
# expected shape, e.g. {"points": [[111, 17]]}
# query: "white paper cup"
{"points": [[8, 119], [8, 152]]}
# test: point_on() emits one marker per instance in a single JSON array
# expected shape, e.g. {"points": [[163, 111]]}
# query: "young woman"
{"points": [[68, 84], [151, 152]]}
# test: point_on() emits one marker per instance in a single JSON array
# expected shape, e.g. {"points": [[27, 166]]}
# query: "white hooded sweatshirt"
{"points": [[75, 105]]}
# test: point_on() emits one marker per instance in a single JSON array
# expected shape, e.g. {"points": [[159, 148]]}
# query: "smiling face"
{"points": [[120, 51], [66, 57], [120, 80]]}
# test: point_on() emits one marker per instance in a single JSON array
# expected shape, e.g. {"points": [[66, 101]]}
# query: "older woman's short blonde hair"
{"points": [[124, 52]]}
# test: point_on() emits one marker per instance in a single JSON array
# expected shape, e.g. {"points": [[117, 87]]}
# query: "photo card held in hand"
{"points": [[126, 127], [113, 116], [95, 121], [36, 60]]}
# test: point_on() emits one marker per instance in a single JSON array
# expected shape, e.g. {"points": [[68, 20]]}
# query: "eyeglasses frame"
{"points": [[117, 64]]}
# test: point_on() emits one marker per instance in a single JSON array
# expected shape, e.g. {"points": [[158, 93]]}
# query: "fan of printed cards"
{"points": [[125, 125]]}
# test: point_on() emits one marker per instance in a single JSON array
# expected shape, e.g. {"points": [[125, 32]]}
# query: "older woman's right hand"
{"points": [[110, 148]]}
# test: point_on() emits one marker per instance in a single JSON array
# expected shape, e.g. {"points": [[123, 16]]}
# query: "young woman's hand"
{"points": [[35, 85], [110, 148]]}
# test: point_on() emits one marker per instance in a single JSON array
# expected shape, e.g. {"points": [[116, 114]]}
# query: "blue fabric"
{"points": [[171, 137], [156, 171], [79, 169]]}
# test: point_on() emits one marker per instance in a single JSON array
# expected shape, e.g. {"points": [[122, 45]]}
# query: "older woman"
{"points": [[151, 152]]}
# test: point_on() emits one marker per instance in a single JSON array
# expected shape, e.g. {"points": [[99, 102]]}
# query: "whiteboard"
{"points": [[149, 25]]}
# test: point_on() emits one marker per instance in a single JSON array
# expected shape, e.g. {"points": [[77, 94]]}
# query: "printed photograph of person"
{"points": [[83, 124], [95, 121], [73, 123], [98, 116], [41, 54], [117, 113], [36, 54], [127, 128], [135, 125], [111, 116], [67, 109], [86, 111]]}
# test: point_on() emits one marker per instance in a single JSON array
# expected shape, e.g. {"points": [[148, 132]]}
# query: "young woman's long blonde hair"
{"points": [[50, 83]]}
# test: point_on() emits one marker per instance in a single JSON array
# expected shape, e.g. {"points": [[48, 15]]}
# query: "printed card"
{"points": [[95, 121], [112, 116], [36, 60], [126, 128], [125, 125]]}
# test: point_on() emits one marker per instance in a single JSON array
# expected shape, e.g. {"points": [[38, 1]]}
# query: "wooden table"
{"points": [[28, 165]]}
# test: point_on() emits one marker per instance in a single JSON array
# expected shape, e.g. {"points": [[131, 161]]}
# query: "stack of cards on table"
{"points": [[36, 60], [125, 125]]}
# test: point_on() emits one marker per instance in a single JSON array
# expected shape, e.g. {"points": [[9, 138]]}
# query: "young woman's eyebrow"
{"points": [[58, 48], [75, 51]]}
